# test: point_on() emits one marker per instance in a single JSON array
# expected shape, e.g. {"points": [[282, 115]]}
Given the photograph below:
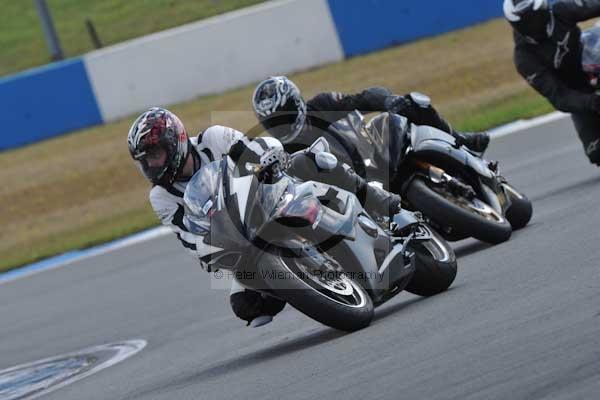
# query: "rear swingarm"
{"points": [[440, 177]]}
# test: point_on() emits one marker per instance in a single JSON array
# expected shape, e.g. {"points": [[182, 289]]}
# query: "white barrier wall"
{"points": [[210, 56]]}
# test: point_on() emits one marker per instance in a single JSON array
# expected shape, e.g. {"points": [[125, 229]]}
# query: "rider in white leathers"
{"points": [[168, 158]]}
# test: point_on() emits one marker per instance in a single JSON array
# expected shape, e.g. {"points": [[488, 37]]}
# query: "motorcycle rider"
{"points": [[168, 158], [548, 55], [281, 110]]}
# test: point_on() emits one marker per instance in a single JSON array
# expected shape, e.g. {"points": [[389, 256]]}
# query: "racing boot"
{"points": [[255, 308], [474, 141]]}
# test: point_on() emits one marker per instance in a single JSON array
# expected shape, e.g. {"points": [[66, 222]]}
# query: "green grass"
{"points": [[22, 42], [100, 232], [82, 189], [518, 106]]}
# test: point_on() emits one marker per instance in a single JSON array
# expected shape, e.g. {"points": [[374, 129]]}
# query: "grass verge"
{"points": [[22, 40], [82, 189]]}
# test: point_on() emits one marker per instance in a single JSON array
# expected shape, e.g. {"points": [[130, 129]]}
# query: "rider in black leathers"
{"points": [[548, 55], [282, 111]]}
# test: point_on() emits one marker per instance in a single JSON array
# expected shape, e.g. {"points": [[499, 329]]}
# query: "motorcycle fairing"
{"points": [[336, 221], [431, 142], [389, 133], [338, 232], [369, 145]]}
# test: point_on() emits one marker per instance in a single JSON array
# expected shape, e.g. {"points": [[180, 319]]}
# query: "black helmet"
{"points": [[280, 108], [529, 17], [159, 145]]}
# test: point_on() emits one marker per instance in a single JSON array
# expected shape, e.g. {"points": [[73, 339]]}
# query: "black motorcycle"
{"points": [[312, 244], [460, 194]]}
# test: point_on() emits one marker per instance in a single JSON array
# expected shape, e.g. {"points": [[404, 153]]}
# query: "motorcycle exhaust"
{"points": [[440, 177]]}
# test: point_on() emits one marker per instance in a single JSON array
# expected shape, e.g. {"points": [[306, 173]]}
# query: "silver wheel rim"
{"points": [[485, 211], [341, 290], [475, 205]]}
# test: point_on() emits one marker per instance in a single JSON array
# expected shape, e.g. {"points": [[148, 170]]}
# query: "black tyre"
{"points": [[328, 296], [435, 265], [467, 217], [520, 211]]}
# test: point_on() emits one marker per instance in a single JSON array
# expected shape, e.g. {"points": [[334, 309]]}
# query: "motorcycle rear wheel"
{"points": [[471, 217], [330, 297]]}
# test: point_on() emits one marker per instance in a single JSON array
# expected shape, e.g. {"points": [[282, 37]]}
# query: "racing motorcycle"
{"points": [[460, 194], [311, 244]]}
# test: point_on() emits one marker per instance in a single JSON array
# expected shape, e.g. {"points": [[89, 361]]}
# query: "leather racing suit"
{"points": [[552, 66]]}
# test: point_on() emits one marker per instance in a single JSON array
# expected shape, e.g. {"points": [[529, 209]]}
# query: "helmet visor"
{"points": [[266, 100], [152, 162]]}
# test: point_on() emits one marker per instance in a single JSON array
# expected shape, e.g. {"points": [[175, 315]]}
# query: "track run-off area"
{"points": [[522, 320]]}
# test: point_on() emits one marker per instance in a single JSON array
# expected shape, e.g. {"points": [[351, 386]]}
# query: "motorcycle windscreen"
{"points": [[375, 147], [389, 134], [209, 213], [203, 197], [261, 203]]}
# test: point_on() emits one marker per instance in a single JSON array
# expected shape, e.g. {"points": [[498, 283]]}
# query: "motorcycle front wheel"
{"points": [[435, 263], [520, 211], [315, 284]]}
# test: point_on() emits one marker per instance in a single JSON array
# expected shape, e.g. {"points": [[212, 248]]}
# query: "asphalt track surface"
{"points": [[522, 320]]}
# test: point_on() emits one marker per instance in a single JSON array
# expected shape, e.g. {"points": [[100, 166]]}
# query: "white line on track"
{"points": [[41, 377], [525, 124]]}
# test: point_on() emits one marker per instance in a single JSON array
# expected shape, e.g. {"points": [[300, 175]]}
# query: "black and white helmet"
{"points": [[280, 108], [528, 17]]}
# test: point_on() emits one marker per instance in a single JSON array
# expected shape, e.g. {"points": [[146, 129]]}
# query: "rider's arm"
{"points": [[576, 11], [371, 99], [378, 99], [549, 85], [222, 140]]}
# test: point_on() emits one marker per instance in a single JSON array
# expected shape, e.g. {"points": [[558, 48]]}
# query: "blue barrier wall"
{"points": [[45, 102], [368, 25], [59, 98]]}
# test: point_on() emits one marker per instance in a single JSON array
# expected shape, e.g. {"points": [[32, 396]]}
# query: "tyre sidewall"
{"points": [[431, 276], [444, 213], [308, 300]]}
